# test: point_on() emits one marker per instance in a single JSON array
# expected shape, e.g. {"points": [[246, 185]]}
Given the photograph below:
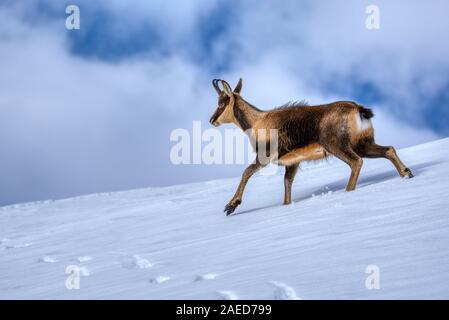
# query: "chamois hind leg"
{"points": [[369, 149], [237, 199], [290, 172], [348, 155]]}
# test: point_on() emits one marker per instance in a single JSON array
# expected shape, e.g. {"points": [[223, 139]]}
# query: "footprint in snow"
{"points": [[47, 259], [284, 292], [207, 276], [20, 245], [2, 243], [160, 279], [135, 262], [227, 295], [84, 258]]}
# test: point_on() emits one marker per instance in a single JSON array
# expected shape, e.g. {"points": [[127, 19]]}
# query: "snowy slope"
{"points": [[176, 243]]}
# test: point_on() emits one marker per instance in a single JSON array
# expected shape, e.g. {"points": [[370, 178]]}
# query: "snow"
{"points": [[176, 242]]}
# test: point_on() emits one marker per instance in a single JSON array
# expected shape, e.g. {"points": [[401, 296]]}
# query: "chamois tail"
{"points": [[365, 113]]}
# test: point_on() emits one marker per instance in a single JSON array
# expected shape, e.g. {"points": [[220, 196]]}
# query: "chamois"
{"points": [[304, 133]]}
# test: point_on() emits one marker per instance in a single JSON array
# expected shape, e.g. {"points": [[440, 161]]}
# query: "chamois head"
{"points": [[226, 99]]}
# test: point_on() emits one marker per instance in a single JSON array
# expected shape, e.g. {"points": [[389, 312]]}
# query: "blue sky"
{"points": [[91, 110]]}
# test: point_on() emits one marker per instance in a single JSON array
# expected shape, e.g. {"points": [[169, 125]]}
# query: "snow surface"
{"points": [[176, 242]]}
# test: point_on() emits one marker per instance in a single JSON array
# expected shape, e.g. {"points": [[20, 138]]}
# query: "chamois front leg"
{"points": [[290, 172], [237, 199]]}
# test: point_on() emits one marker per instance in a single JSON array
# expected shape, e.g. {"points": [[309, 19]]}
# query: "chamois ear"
{"points": [[227, 88], [238, 87]]}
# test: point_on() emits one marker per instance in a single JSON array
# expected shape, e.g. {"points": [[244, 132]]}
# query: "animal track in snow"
{"points": [[160, 279], [2, 243], [84, 258], [338, 205], [47, 259], [227, 295], [207, 276], [284, 292], [6, 244], [135, 262]]}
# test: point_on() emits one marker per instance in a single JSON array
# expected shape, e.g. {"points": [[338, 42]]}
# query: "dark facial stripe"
{"points": [[241, 118]]}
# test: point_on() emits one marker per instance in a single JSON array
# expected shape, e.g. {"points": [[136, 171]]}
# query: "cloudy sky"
{"points": [[91, 110]]}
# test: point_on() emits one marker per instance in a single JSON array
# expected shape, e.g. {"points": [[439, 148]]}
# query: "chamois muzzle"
{"points": [[213, 120]]}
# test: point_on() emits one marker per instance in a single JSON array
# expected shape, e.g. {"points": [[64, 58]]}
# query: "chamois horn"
{"points": [[215, 84]]}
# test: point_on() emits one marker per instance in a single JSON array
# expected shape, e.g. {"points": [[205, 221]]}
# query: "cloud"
{"points": [[72, 126], [403, 66], [75, 121]]}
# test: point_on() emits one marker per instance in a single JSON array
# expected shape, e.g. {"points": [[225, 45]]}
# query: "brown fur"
{"points": [[305, 133], [310, 152]]}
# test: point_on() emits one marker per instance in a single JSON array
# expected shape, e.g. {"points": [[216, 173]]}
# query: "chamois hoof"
{"points": [[230, 208], [408, 173]]}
